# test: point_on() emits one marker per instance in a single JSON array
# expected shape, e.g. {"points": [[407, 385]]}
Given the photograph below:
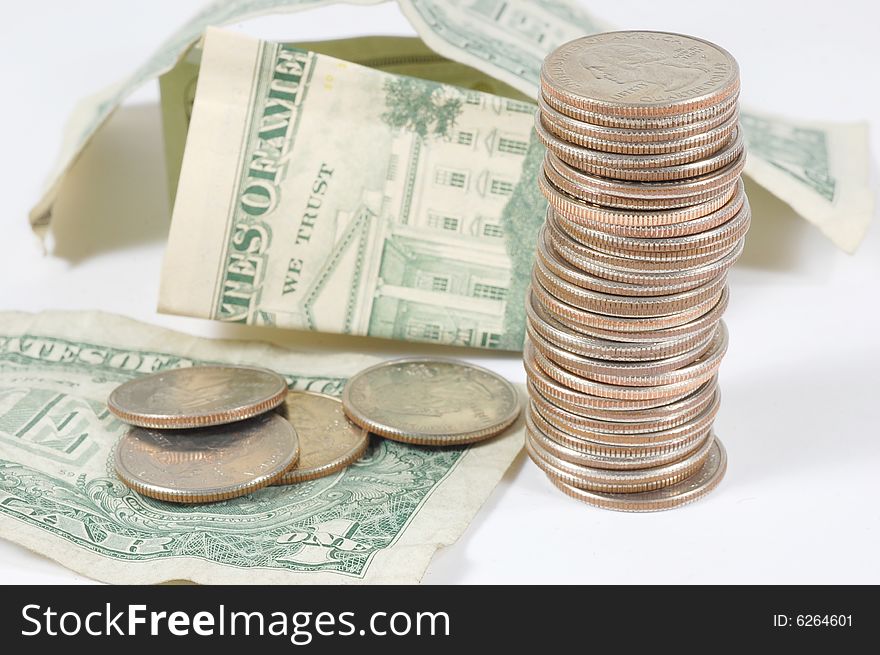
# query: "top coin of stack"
{"points": [[646, 214], [642, 106]]}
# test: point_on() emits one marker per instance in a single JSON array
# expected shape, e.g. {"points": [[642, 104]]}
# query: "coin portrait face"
{"points": [[452, 390], [436, 401], [627, 64], [640, 72]]}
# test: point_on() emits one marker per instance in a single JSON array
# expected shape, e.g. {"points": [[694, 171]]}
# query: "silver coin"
{"points": [[556, 382], [539, 320], [594, 322], [616, 371], [552, 396], [632, 480], [566, 283], [587, 158], [625, 452], [197, 397], [207, 464], [643, 123], [604, 460], [661, 248], [555, 413], [581, 228], [668, 437], [701, 363], [650, 195], [329, 441], [645, 263], [546, 417], [682, 493], [548, 254], [583, 402], [689, 330], [639, 135], [640, 73], [580, 257], [711, 141], [427, 401], [646, 214], [659, 394], [731, 152]]}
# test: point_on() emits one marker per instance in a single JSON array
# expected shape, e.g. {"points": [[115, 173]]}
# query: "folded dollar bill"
{"points": [[380, 520], [318, 194]]}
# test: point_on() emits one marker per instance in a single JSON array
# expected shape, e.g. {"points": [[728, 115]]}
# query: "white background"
{"points": [[800, 382]]}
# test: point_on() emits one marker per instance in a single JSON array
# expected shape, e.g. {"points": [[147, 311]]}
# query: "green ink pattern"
{"points": [[335, 524], [800, 152]]}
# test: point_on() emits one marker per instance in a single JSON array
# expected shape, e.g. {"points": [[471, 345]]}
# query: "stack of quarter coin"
{"points": [[647, 213]]}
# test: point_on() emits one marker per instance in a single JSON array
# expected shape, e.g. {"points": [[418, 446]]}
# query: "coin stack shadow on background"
{"points": [[646, 214]]}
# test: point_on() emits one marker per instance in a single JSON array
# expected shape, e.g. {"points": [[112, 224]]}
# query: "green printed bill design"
{"points": [[322, 195], [379, 520]]}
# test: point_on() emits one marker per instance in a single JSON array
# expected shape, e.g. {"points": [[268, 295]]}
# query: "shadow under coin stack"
{"points": [[647, 212]]}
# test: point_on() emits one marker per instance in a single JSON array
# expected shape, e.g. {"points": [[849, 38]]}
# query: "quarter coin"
{"points": [[680, 136], [670, 437], [329, 441], [681, 493], [640, 74], [197, 397], [597, 156], [646, 214], [207, 464], [584, 401], [712, 230], [688, 330], [546, 252], [555, 413], [576, 255], [660, 394], [652, 195], [550, 398], [565, 284], [616, 371], [538, 320], [538, 430], [672, 450], [589, 320], [727, 155], [644, 123], [616, 480], [437, 402]]}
